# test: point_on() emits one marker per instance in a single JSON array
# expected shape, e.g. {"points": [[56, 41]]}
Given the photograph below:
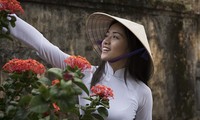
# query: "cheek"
{"points": [[121, 48]]}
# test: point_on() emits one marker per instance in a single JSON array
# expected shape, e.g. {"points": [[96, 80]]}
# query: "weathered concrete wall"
{"points": [[173, 31]]}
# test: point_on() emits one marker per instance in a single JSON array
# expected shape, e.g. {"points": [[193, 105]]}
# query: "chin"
{"points": [[103, 58]]}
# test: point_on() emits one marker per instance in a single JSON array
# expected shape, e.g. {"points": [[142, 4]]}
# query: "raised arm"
{"points": [[34, 39]]}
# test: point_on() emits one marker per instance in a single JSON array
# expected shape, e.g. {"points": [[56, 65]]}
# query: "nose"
{"points": [[106, 40]]}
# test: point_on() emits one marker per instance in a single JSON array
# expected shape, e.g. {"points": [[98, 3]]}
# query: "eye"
{"points": [[115, 37]]}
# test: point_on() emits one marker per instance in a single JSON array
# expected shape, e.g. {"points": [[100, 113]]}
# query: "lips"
{"points": [[105, 49]]}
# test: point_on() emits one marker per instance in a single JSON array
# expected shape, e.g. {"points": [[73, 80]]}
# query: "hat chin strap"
{"points": [[144, 55]]}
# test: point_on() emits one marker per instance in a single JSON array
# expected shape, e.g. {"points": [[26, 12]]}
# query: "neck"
{"points": [[118, 65]]}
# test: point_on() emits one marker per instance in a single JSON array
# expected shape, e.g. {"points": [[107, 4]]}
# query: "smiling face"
{"points": [[115, 43]]}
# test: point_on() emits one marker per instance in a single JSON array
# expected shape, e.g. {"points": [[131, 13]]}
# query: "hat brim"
{"points": [[98, 24]]}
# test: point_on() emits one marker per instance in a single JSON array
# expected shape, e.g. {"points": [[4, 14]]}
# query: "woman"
{"points": [[126, 64]]}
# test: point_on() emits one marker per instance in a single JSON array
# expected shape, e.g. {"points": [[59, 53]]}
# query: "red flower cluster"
{"points": [[20, 66], [77, 61], [102, 91], [12, 6]]}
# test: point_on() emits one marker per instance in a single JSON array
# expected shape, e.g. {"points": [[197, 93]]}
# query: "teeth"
{"points": [[105, 49]]}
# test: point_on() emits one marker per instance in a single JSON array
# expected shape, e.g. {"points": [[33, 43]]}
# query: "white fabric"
{"points": [[131, 101]]}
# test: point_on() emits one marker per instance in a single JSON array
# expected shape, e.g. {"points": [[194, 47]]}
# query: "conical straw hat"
{"points": [[98, 23]]}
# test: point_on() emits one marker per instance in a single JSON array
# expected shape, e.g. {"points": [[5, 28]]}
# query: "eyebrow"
{"points": [[119, 34], [115, 33]]}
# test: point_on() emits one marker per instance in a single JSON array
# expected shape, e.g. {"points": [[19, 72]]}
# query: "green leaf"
{"points": [[105, 104], [14, 102], [90, 110], [87, 117], [45, 81], [68, 68], [45, 118], [44, 92], [38, 105], [10, 110], [97, 116], [103, 111], [21, 114], [54, 91], [25, 100], [79, 83], [88, 98], [12, 20], [65, 84], [35, 92], [77, 90], [67, 104], [56, 71]]}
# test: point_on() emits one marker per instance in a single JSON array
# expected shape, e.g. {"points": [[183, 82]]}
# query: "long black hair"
{"points": [[138, 67]]}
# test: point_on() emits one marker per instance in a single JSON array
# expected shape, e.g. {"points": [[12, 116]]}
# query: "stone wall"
{"points": [[172, 28]]}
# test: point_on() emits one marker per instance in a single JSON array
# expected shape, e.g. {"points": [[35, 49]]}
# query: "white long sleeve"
{"points": [[34, 39]]}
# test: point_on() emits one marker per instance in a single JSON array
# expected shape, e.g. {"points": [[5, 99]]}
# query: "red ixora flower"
{"points": [[78, 61], [102, 91], [20, 66], [54, 82], [12, 6], [56, 107]]}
